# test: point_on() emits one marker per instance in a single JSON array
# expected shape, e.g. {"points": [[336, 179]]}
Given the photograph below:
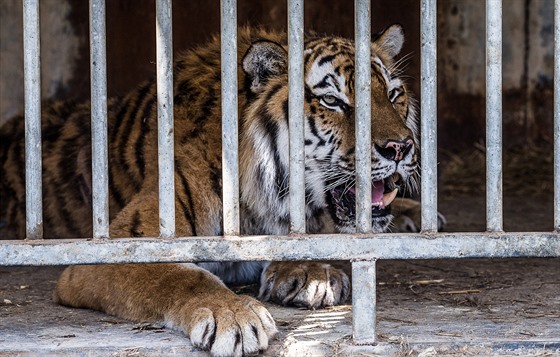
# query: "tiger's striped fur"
{"points": [[263, 126], [263, 109]]}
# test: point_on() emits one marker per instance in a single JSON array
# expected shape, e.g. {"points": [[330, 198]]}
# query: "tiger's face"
{"points": [[330, 117]]}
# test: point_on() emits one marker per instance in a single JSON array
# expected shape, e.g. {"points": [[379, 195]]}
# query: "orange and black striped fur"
{"points": [[263, 127]]}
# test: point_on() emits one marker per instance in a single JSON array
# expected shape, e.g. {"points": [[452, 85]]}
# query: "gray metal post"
{"points": [[32, 93], [295, 108], [428, 85], [557, 115], [362, 18], [363, 302], [166, 166], [230, 117], [99, 151], [494, 200]]}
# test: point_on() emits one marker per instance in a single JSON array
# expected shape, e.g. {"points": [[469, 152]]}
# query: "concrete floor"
{"points": [[425, 308]]}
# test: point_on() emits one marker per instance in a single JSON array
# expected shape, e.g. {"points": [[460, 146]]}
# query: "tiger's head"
{"points": [[329, 129]]}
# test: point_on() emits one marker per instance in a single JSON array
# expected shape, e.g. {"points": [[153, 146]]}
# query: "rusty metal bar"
{"points": [[320, 247], [99, 151], [166, 165], [362, 29], [32, 93]]}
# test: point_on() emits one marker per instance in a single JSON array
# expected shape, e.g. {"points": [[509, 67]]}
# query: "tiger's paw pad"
{"points": [[238, 327], [304, 284]]}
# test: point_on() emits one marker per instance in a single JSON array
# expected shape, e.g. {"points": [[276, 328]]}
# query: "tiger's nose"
{"points": [[395, 150]]}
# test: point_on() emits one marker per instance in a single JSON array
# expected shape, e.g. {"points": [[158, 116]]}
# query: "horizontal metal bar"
{"points": [[99, 151], [309, 247], [230, 141], [32, 93], [364, 302], [166, 165], [428, 115], [362, 29], [295, 109], [494, 201]]}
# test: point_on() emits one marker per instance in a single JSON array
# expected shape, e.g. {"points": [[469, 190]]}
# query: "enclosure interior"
{"points": [[511, 301]]}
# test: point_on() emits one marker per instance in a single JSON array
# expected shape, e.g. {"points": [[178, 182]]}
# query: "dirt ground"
{"points": [[425, 307]]}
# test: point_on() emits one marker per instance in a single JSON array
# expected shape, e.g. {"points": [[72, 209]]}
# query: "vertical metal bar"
{"points": [[362, 30], [164, 55], [557, 116], [363, 302], [230, 117], [428, 108], [295, 108], [99, 163], [32, 89], [494, 207]]}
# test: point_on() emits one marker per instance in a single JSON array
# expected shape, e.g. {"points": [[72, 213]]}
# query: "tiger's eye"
{"points": [[330, 99]]}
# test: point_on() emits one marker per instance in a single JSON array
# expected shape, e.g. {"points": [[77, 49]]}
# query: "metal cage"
{"points": [[363, 248]]}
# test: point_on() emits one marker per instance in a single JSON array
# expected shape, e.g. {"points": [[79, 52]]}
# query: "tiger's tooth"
{"points": [[389, 197]]}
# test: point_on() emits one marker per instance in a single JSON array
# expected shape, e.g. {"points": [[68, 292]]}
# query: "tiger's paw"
{"points": [[408, 216], [305, 284], [411, 222], [238, 326]]}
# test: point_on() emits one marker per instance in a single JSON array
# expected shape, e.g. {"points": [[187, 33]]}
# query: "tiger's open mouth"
{"points": [[343, 201]]}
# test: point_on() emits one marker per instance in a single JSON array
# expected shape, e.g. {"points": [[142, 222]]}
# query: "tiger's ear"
{"points": [[390, 40], [263, 60]]}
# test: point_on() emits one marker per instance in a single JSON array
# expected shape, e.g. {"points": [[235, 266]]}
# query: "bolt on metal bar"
{"points": [[230, 117], [166, 166], [362, 29], [364, 302], [494, 202], [99, 151], [428, 115], [296, 121], [557, 115], [32, 93]]}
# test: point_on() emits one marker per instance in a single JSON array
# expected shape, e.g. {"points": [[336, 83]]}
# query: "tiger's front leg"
{"points": [[182, 296], [306, 284]]}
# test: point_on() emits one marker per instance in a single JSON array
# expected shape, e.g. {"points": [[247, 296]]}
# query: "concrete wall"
{"points": [[528, 61], [462, 36], [59, 52]]}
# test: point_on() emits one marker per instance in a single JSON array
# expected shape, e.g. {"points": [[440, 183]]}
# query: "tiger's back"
{"points": [[132, 137]]}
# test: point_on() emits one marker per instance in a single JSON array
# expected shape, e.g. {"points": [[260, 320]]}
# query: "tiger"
{"points": [[195, 298]]}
